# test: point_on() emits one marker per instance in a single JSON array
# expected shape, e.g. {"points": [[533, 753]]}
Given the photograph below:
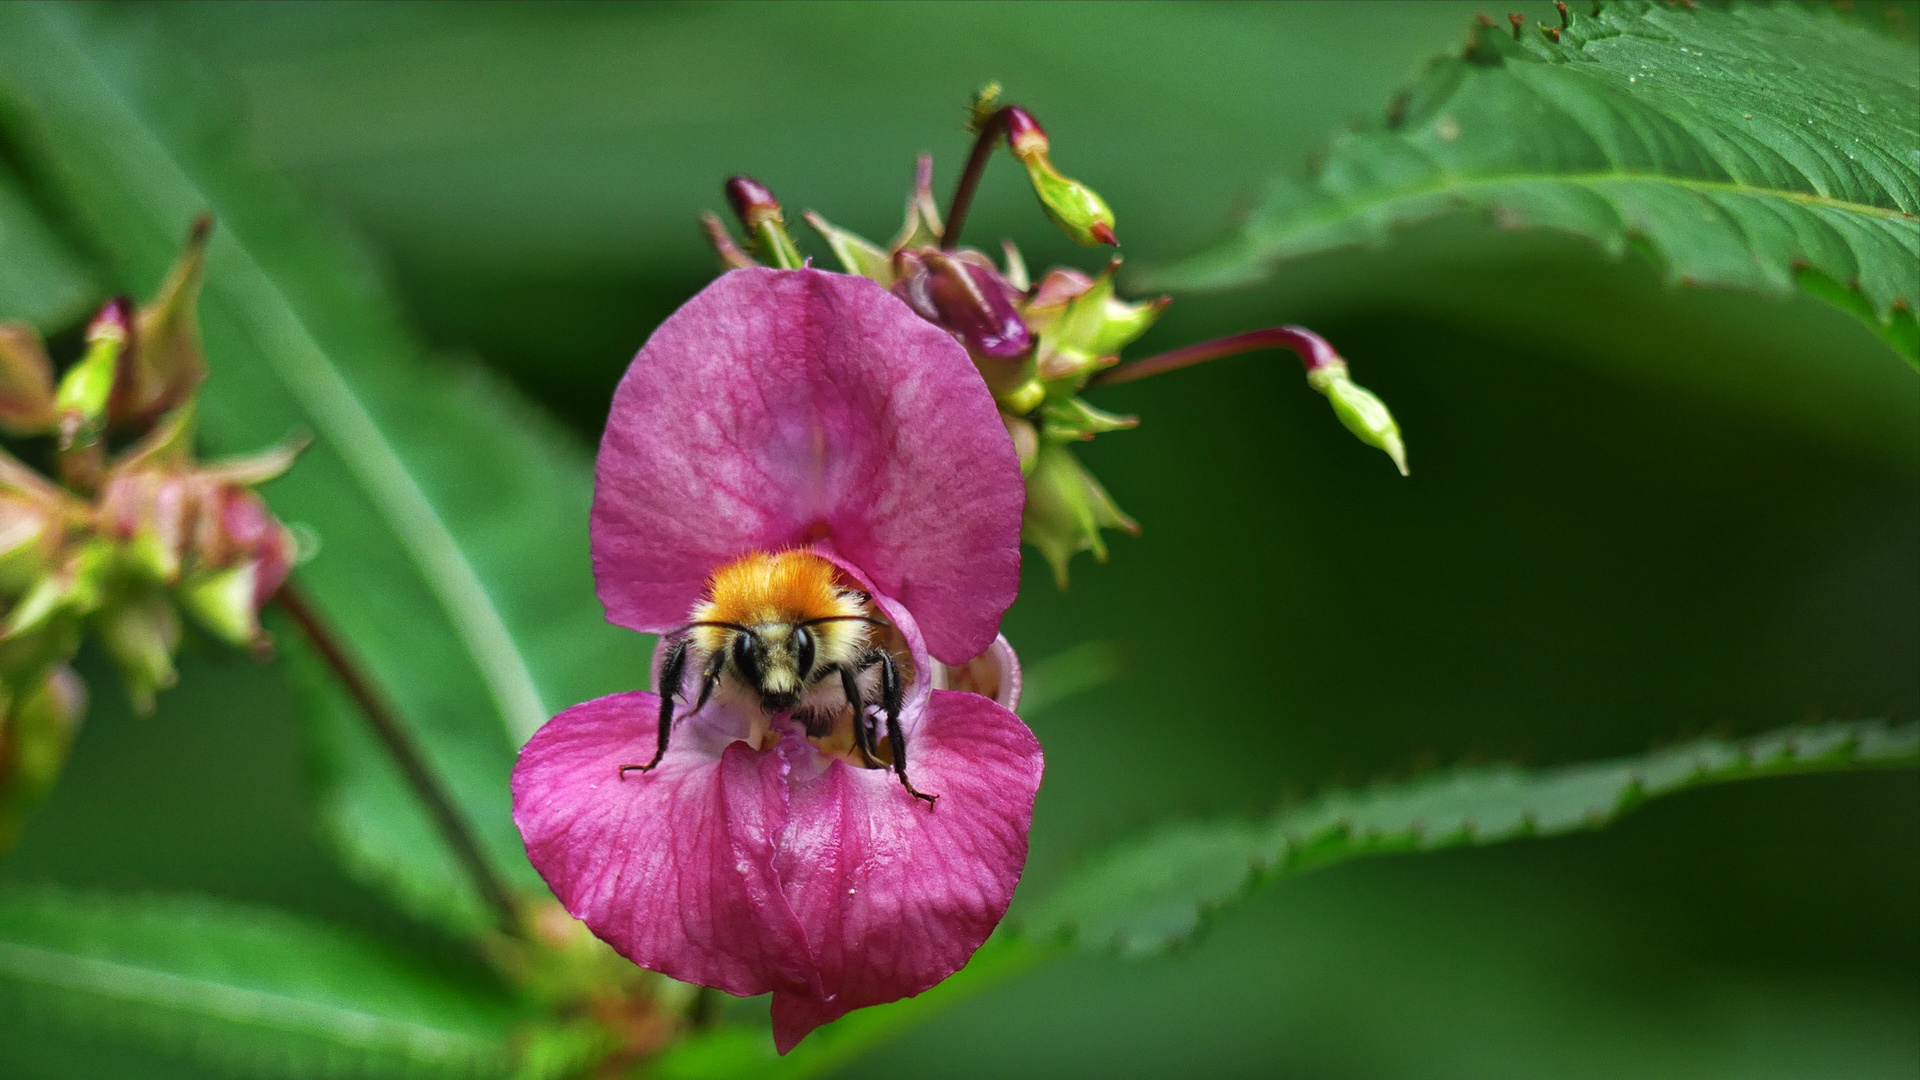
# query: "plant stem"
{"points": [[1313, 350], [392, 735], [990, 132]]}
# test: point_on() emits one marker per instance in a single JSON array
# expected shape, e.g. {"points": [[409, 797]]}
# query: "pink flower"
{"points": [[780, 412]]}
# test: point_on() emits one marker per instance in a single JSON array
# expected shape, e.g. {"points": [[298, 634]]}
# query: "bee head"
{"points": [[777, 660]]}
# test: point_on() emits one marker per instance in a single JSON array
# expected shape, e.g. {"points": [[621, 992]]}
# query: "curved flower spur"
{"points": [[818, 481]]}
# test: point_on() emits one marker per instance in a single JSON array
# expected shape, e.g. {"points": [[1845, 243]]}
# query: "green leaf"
{"points": [[1156, 891], [452, 519], [256, 991], [42, 280], [1758, 147]]}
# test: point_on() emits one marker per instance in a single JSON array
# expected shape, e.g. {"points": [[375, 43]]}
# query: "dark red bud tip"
{"points": [[1104, 233], [202, 228], [1024, 133], [751, 200], [115, 319], [1518, 20]]}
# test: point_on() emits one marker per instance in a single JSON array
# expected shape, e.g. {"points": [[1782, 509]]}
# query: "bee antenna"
{"points": [[710, 622]]}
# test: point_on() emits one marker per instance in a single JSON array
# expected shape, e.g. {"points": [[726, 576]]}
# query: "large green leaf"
{"points": [[452, 520], [42, 280], [256, 991], [1156, 891], [1758, 147]]}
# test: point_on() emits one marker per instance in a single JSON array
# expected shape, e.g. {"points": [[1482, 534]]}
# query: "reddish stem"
{"points": [[1313, 350], [990, 132], [399, 744]]}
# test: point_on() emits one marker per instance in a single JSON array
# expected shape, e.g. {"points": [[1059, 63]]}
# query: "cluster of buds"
{"points": [[133, 532], [1037, 343]]}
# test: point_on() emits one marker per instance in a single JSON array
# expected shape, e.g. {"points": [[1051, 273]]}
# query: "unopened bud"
{"points": [[856, 253], [968, 300], [1076, 208], [766, 228], [166, 362], [1066, 509], [85, 389], [26, 382], [36, 731], [1360, 410], [140, 631]]}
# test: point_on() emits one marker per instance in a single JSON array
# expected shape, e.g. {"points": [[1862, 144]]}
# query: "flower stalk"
{"points": [[386, 725]]}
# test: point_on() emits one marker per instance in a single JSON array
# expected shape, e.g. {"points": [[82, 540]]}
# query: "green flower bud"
{"points": [[1066, 509], [26, 382], [36, 731], [1074, 207], [759, 214], [87, 386], [1360, 410]]}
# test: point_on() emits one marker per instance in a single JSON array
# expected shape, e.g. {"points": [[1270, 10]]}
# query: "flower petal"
{"points": [[895, 895], [779, 408], [674, 867]]}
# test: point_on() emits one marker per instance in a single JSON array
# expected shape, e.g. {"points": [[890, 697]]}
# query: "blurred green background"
{"points": [[1635, 514]]}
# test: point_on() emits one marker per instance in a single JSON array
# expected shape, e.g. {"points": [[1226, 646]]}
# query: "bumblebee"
{"points": [[781, 632]]}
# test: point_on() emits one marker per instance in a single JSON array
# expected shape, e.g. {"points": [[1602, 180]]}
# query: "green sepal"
{"points": [[222, 601], [856, 253], [1086, 333], [1072, 418], [74, 588], [1066, 509], [167, 363], [140, 629], [26, 382]]}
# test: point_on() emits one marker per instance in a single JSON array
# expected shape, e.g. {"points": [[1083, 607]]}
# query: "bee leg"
{"points": [[862, 734], [670, 675], [890, 701], [710, 678]]}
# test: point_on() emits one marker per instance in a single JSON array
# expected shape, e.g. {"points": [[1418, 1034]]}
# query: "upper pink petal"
{"points": [[674, 868], [892, 894], [785, 407]]}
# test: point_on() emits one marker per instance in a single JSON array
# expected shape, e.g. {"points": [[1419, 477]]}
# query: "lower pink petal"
{"points": [[674, 868], [895, 895]]}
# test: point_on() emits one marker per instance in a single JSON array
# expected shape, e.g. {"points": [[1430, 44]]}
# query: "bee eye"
{"points": [[746, 657], [803, 650]]}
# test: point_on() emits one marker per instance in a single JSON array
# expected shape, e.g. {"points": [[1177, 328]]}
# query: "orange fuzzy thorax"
{"points": [[782, 587]]}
